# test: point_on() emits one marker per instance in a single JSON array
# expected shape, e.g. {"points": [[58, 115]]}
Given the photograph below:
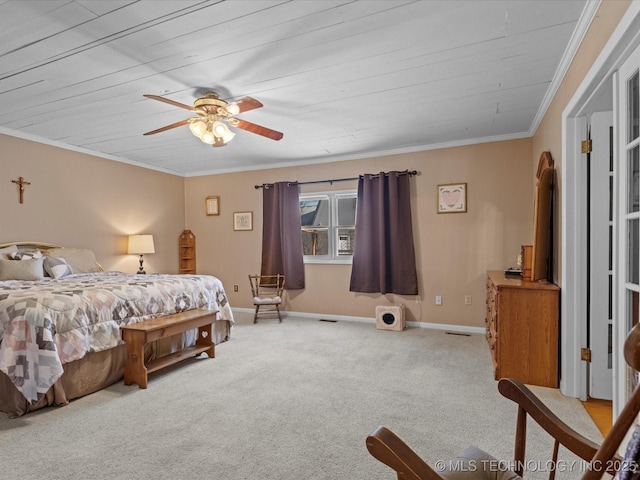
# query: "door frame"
{"points": [[572, 172]]}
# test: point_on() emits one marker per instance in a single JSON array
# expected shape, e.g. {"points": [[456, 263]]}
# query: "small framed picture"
{"points": [[452, 198], [212, 205], [243, 220]]}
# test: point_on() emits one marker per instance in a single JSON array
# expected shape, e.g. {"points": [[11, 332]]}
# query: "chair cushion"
{"points": [[629, 467], [475, 464], [267, 301]]}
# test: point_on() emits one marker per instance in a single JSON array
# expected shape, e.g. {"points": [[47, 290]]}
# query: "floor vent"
{"points": [[458, 333]]}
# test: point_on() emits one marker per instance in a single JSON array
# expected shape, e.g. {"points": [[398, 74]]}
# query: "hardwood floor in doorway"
{"points": [[601, 411]]}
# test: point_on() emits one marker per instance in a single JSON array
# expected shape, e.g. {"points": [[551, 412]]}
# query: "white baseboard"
{"points": [[319, 316], [449, 328]]}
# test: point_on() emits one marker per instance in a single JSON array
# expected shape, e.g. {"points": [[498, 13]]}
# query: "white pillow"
{"points": [[81, 260], [24, 254], [21, 270], [56, 267], [10, 249]]}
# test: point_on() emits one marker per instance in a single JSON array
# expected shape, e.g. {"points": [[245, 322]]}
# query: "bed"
{"points": [[60, 318]]}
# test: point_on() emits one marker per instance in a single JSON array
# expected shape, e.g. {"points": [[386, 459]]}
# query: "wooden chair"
{"points": [[387, 447], [267, 291]]}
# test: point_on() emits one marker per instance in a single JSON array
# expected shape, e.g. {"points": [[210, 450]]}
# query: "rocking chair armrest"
{"points": [[388, 448], [568, 437]]}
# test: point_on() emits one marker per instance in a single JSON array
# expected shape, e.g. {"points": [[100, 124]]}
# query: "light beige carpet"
{"points": [[291, 400]]}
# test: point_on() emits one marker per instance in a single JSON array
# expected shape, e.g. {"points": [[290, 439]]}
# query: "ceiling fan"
{"points": [[214, 114]]}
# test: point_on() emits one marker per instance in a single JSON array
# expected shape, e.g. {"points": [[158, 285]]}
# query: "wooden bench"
{"points": [[137, 335]]}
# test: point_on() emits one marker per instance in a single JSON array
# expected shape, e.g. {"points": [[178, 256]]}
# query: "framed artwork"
{"points": [[243, 220], [212, 205], [452, 198]]}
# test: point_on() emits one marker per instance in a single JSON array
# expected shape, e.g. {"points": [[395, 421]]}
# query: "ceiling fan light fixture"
{"points": [[208, 137], [228, 136], [198, 128], [220, 130], [232, 108]]}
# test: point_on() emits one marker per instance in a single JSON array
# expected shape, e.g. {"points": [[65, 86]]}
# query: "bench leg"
{"points": [[134, 368], [204, 339]]}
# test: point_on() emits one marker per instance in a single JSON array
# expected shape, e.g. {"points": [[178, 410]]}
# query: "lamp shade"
{"points": [[141, 244], [197, 127], [220, 130]]}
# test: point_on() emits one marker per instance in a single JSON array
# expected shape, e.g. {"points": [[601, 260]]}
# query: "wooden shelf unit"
{"points": [[522, 326], [187, 252]]}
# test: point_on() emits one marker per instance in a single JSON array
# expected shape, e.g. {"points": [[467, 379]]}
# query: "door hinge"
{"points": [[587, 146], [585, 354]]}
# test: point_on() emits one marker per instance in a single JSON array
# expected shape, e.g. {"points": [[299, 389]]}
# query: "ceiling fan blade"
{"points": [[170, 102], [253, 128], [247, 103], [169, 127]]}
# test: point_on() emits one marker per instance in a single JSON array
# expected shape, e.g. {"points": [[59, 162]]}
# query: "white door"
{"points": [[627, 284], [600, 256]]}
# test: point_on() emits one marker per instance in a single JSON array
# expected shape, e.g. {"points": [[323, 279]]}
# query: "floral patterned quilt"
{"points": [[45, 324]]}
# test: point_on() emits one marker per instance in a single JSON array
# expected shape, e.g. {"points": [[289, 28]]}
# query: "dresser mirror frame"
{"points": [[543, 220]]}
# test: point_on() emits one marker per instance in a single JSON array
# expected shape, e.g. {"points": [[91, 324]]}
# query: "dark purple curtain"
{"points": [[383, 256], [281, 234]]}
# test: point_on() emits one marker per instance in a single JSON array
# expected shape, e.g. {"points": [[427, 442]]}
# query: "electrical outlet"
{"points": [[418, 299], [235, 287], [438, 300], [467, 299]]}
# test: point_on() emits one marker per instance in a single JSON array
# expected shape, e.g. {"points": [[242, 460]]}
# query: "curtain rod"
{"points": [[405, 172]]}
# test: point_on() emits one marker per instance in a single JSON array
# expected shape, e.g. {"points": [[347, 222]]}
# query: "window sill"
{"points": [[318, 261]]}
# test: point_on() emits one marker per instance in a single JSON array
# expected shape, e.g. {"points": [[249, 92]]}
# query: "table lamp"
{"points": [[141, 244]]}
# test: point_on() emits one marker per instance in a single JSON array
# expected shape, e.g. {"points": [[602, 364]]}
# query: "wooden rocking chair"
{"points": [[387, 447]]}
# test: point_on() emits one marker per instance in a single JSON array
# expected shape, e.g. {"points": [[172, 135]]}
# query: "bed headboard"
{"points": [[30, 245], [42, 246]]}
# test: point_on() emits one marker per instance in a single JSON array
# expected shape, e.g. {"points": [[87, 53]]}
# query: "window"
{"points": [[328, 226]]}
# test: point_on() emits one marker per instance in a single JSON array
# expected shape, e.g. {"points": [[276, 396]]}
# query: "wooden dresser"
{"points": [[522, 329]]}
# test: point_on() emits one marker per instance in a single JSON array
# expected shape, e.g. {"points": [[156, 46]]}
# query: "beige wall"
{"points": [[453, 251], [79, 200], [548, 136], [85, 201]]}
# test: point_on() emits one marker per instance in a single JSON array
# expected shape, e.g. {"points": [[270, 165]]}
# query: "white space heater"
{"points": [[390, 317]]}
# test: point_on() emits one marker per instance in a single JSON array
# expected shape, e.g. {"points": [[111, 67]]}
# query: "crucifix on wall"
{"points": [[21, 183]]}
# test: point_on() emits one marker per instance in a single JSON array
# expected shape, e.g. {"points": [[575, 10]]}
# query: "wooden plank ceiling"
{"points": [[341, 79]]}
